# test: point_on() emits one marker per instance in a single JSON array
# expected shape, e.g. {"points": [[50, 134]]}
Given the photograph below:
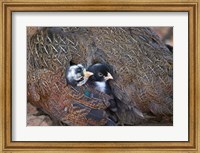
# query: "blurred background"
{"points": [[165, 34]]}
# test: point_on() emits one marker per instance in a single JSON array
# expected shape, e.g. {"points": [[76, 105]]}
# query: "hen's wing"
{"points": [[143, 71], [48, 90]]}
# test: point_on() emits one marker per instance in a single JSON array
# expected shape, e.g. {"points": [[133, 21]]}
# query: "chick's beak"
{"points": [[108, 77], [87, 74]]}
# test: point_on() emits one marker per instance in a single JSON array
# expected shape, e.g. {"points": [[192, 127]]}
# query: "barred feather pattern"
{"points": [[141, 64], [48, 91]]}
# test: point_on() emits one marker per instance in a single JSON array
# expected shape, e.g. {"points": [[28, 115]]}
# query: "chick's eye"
{"points": [[100, 74], [79, 70]]}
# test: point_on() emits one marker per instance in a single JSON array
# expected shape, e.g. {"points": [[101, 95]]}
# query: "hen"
{"points": [[140, 62]]}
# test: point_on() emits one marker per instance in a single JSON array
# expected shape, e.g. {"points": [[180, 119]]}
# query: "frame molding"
{"points": [[9, 6]]}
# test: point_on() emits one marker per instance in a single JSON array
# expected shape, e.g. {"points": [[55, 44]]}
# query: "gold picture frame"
{"points": [[9, 6]]}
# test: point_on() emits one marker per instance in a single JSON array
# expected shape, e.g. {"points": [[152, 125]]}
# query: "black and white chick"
{"points": [[100, 77], [76, 75], [100, 81]]}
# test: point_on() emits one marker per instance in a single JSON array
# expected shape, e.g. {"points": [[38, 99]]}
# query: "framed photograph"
{"points": [[79, 76]]}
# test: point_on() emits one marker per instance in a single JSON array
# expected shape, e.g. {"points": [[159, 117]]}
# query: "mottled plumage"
{"points": [[76, 75], [141, 64], [68, 104]]}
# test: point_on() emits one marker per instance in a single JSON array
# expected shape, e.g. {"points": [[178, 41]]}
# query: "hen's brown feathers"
{"points": [[65, 103], [142, 68]]}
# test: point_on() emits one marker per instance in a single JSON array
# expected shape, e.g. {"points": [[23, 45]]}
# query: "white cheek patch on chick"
{"points": [[101, 86], [72, 73]]}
